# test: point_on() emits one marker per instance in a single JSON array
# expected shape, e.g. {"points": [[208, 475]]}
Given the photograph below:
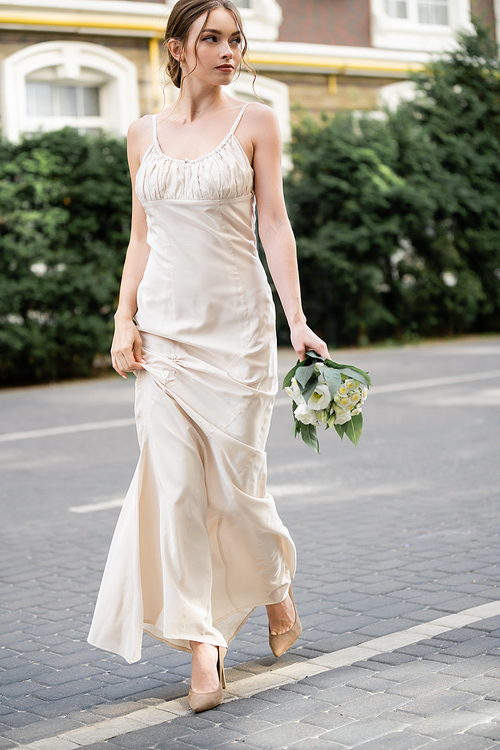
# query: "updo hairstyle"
{"points": [[180, 20]]}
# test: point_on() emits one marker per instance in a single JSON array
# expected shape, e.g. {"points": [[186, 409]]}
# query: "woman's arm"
{"points": [[275, 231], [126, 354]]}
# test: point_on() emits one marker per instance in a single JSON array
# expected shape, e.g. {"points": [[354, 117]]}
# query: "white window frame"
{"points": [[75, 62], [409, 34]]}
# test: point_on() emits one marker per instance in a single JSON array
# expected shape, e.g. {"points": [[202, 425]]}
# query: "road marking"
{"points": [[91, 507], [240, 685], [112, 423], [66, 429]]}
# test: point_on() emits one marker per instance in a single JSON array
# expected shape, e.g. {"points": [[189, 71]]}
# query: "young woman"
{"points": [[199, 544]]}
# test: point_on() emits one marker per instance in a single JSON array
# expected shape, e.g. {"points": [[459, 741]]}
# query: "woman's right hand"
{"points": [[126, 349]]}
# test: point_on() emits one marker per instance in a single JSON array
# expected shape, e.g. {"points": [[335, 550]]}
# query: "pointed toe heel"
{"points": [[204, 701], [283, 641]]}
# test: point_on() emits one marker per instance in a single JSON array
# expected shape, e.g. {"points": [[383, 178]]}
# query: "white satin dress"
{"points": [[198, 543]]}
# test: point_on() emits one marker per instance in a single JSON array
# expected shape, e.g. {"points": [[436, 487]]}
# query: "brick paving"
{"points": [[400, 531]]}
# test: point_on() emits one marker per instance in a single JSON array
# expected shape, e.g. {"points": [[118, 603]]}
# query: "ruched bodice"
{"points": [[223, 174], [198, 543]]}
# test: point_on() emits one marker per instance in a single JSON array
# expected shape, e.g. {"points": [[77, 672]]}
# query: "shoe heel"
{"points": [[204, 701], [220, 663], [282, 642]]}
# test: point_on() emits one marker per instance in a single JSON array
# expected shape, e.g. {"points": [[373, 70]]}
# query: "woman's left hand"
{"points": [[304, 339]]}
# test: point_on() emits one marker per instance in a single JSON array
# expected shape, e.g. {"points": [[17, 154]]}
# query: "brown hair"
{"points": [[181, 18]]}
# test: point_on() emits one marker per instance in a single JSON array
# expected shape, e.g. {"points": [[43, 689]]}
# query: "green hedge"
{"points": [[398, 222], [64, 223]]}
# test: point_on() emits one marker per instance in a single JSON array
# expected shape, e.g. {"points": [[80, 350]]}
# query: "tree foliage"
{"points": [[64, 223], [398, 222]]}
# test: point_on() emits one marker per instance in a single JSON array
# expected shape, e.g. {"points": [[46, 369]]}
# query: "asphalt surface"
{"points": [[399, 531]]}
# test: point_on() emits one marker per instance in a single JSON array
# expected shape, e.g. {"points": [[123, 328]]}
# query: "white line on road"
{"points": [[391, 388], [65, 429], [91, 507], [240, 685]]}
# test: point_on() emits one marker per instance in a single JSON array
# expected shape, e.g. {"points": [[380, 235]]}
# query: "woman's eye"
{"points": [[207, 38]]}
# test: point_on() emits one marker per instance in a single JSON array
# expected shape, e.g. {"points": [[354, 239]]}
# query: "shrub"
{"points": [[64, 223]]}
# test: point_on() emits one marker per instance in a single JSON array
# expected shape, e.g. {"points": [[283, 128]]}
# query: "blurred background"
{"points": [[390, 116]]}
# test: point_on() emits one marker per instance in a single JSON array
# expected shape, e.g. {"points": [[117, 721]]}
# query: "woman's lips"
{"points": [[224, 67]]}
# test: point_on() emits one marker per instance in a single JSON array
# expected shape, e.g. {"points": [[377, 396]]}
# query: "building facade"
{"points": [[97, 65]]}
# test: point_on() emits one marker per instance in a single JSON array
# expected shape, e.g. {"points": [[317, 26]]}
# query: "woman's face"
{"points": [[219, 48]]}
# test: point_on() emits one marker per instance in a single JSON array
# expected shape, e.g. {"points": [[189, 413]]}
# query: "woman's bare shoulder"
{"points": [[260, 113], [138, 128]]}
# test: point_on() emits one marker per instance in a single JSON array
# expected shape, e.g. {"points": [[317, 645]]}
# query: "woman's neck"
{"points": [[193, 101]]}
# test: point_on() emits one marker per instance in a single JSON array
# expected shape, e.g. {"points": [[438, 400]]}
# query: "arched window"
{"points": [[50, 85]]}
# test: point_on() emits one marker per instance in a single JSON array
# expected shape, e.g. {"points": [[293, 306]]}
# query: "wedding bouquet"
{"points": [[326, 393]]}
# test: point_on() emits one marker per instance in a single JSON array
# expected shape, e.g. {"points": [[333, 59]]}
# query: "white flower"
{"points": [[344, 402], [320, 398], [355, 411], [306, 415], [349, 384], [39, 269], [364, 393], [318, 368], [341, 417], [342, 390], [355, 397], [294, 392]]}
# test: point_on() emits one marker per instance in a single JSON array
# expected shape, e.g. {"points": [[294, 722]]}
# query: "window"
{"points": [[74, 103], [433, 11], [396, 8], [52, 85], [427, 11], [418, 25]]}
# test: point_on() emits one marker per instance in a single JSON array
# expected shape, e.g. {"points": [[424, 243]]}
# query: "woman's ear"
{"points": [[175, 49]]}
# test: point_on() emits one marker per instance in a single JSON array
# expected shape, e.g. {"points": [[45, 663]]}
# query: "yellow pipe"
{"points": [[80, 20], [154, 67], [311, 61]]}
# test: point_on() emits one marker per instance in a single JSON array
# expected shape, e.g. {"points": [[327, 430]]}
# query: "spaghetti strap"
{"points": [[237, 121], [154, 127]]}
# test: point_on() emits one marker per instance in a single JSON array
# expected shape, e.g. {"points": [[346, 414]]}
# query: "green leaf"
{"points": [[287, 380], [303, 374], [310, 437], [309, 389], [340, 428], [313, 355], [354, 428], [333, 380], [351, 371]]}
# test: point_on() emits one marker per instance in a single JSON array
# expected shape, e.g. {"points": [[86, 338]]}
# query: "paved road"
{"points": [[401, 531]]}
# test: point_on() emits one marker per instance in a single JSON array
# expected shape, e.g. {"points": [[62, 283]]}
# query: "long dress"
{"points": [[198, 543]]}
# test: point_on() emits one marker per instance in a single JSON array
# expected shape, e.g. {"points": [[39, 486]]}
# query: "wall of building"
{"points": [[485, 11], [345, 22], [323, 93]]}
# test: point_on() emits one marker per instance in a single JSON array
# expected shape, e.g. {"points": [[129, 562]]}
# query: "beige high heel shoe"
{"points": [[282, 642], [203, 701]]}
